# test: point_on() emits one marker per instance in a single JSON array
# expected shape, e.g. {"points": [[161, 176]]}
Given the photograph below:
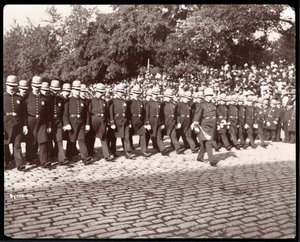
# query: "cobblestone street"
{"points": [[250, 194]]}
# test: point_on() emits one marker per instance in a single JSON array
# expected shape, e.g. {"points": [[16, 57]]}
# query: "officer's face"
{"points": [[23, 92], [75, 92], [209, 98], [55, 91], [36, 90], [10, 88], [82, 94]]}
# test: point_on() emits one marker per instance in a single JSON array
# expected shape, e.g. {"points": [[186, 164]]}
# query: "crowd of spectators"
{"points": [[267, 81]]}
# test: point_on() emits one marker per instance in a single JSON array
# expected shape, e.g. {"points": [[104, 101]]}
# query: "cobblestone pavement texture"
{"points": [[250, 194]]}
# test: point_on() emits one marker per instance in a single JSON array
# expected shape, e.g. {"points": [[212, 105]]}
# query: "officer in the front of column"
{"points": [[15, 122]]}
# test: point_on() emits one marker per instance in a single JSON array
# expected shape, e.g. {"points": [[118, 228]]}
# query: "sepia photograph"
{"points": [[149, 121]]}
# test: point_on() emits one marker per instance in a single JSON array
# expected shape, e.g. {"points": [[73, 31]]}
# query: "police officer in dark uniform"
{"points": [[170, 114], [39, 123], [272, 117], [184, 120], [259, 121], [89, 136], [154, 120], [15, 122], [241, 122], [249, 120], [138, 114], [119, 115], [77, 121], [204, 123], [56, 108], [292, 122], [222, 121], [232, 118], [98, 109]]}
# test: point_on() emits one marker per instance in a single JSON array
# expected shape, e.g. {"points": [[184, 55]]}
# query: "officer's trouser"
{"points": [[224, 140], [104, 146], [286, 132], [174, 139], [206, 146], [271, 134], [241, 135], [250, 135], [158, 139], [82, 148], [126, 140], [41, 148], [17, 152]]}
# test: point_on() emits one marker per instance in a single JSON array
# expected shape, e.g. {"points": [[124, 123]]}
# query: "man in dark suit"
{"points": [[15, 122], [204, 123], [137, 117], [154, 118], [119, 115], [39, 123], [98, 109], [76, 121]]}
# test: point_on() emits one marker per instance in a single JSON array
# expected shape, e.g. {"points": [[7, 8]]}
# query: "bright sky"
{"points": [[36, 13]]}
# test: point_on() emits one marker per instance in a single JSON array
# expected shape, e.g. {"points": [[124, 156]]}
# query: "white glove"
{"points": [[268, 123], [192, 126], [255, 126], [246, 126], [223, 121], [178, 126], [237, 125], [87, 127], [130, 126], [218, 127], [162, 126], [67, 127], [275, 122], [197, 129], [221, 125], [48, 130], [25, 130], [228, 123], [113, 126]]}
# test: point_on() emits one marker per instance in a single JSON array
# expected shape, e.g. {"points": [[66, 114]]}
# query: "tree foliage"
{"points": [[93, 46]]}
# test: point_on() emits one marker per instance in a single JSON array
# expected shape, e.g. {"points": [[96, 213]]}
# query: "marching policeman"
{"points": [[90, 136], [204, 123], [241, 122], [184, 120], [119, 115], [98, 110], [138, 114], [272, 117], [249, 120], [170, 114], [56, 108], [76, 121], [222, 121], [39, 123], [15, 122], [232, 118], [292, 123], [154, 119], [259, 121]]}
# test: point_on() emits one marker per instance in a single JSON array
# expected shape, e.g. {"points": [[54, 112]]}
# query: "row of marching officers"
{"points": [[50, 115]]}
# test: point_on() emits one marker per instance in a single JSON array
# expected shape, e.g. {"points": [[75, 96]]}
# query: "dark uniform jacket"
{"points": [[206, 115], [259, 119], [291, 121], [119, 115], [15, 116], [169, 117], [272, 115], [137, 116], [184, 115], [154, 116], [241, 114], [232, 117], [39, 118], [76, 114], [98, 109], [222, 115], [249, 118]]}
